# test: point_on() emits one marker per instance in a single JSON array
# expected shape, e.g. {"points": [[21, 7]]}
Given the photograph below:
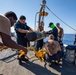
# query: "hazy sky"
{"points": [[64, 9]]}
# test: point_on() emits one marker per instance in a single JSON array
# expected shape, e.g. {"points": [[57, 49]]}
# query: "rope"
{"points": [[60, 19]]}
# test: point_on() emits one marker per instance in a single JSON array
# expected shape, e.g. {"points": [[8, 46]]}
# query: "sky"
{"points": [[64, 9]]}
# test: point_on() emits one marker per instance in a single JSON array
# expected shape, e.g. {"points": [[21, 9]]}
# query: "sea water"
{"points": [[68, 39]]}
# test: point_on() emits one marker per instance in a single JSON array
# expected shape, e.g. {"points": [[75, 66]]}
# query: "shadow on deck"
{"points": [[36, 67]]}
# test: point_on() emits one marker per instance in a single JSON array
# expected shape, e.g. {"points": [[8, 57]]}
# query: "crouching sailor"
{"points": [[53, 49]]}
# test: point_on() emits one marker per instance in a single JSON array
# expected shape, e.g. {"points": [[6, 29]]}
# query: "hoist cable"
{"points": [[60, 19]]}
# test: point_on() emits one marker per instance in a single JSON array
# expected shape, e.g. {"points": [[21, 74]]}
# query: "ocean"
{"points": [[67, 39]]}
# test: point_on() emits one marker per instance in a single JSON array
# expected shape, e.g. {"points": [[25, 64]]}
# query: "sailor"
{"points": [[60, 35], [54, 31], [53, 49], [60, 32], [75, 40], [6, 21], [22, 29], [40, 29]]}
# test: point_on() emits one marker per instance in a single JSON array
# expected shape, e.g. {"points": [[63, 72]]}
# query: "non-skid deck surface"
{"points": [[9, 66]]}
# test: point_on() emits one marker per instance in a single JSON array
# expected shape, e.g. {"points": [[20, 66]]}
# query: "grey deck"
{"points": [[9, 66]]}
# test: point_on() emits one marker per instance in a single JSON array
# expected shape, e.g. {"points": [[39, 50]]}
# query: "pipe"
{"points": [[35, 36]]}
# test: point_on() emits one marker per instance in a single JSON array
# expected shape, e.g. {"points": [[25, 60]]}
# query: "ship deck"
{"points": [[9, 66]]}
